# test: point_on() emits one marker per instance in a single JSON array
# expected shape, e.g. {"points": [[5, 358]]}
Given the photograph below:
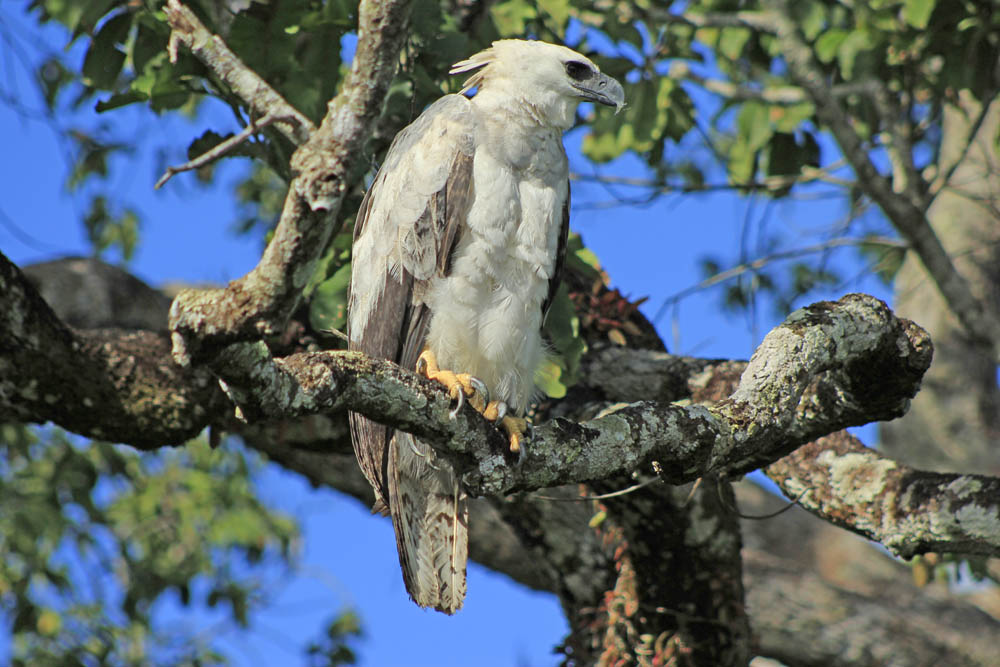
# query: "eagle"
{"points": [[458, 246]]}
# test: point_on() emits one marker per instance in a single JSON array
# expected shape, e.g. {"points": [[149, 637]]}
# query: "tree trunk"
{"points": [[954, 422]]}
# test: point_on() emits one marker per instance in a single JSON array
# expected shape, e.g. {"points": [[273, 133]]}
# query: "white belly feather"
{"points": [[487, 314]]}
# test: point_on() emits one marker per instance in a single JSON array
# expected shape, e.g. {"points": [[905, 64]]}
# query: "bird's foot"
{"points": [[461, 387], [517, 429]]}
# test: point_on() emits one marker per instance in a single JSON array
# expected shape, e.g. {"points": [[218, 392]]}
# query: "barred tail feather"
{"points": [[430, 514]]}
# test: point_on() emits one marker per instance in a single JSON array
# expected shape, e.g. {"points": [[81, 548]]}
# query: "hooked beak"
{"points": [[602, 89]]}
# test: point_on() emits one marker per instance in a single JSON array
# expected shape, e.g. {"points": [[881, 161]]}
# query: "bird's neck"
{"points": [[543, 109]]}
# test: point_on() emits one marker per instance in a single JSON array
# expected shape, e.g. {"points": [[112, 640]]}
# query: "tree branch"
{"points": [[783, 577], [204, 321], [908, 511], [566, 556], [220, 149], [752, 20], [147, 402], [804, 621], [260, 98], [851, 361], [777, 95], [907, 210], [104, 384]]}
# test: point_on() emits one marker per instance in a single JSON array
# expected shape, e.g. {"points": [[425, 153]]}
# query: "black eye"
{"points": [[578, 71]]}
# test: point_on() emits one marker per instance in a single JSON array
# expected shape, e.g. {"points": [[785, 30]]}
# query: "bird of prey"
{"points": [[458, 246]]}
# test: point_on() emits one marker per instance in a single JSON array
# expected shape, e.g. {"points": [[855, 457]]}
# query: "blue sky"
{"points": [[349, 557]]}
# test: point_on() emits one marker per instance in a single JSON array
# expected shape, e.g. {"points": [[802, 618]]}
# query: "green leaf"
{"points": [[147, 44], [328, 307], [120, 100], [811, 17], [732, 41], [512, 16], [856, 43], [918, 12], [754, 125], [885, 260], [753, 132], [548, 379], [783, 158], [828, 44], [562, 328], [53, 77], [93, 11], [788, 118], [559, 10], [105, 57]]}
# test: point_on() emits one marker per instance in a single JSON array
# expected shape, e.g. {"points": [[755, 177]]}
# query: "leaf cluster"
{"points": [[92, 537]]}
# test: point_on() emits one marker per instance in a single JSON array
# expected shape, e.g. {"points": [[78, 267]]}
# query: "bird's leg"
{"points": [[460, 386]]}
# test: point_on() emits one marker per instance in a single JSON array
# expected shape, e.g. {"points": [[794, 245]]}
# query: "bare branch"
{"points": [[759, 21], [221, 149], [806, 175], [777, 95], [761, 262], [259, 97], [204, 321]]}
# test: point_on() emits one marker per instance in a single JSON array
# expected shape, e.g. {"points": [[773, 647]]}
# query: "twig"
{"points": [[221, 149], [761, 262], [603, 496], [806, 175], [778, 95], [759, 21]]}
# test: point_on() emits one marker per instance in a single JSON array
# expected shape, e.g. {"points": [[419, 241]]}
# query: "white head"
{"points": [[549, 80]]}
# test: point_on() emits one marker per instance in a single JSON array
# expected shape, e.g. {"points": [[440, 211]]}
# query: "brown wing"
{"points": [[560, 257], [397, 255]]}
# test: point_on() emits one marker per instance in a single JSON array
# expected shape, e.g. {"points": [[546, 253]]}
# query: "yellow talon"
{"points": [[465, 387], [460, 386], [516, 429]]}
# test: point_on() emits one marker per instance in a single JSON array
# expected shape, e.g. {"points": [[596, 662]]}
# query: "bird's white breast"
{"points": [[487, 313]]}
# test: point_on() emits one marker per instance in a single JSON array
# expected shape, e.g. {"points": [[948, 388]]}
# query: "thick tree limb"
{"points": [[900, 625], [204, 321], [147, 402], [792, 561], [104, 384], [856, 360], [909, 511]]}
